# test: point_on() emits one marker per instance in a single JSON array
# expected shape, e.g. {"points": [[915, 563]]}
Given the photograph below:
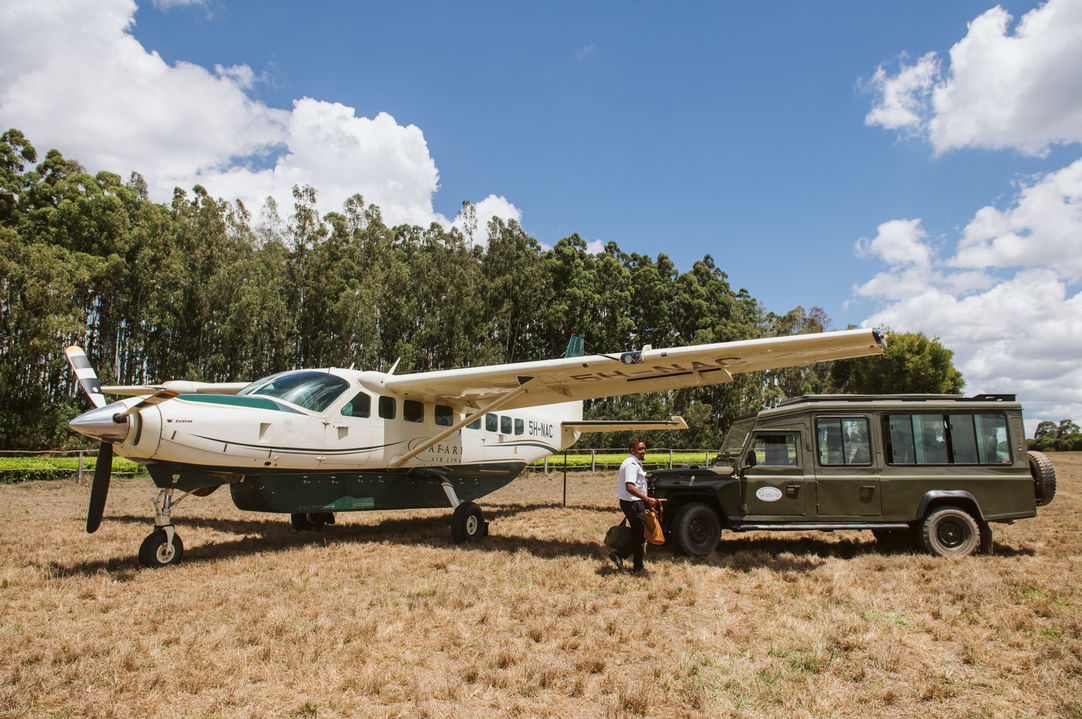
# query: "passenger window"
{"points": [[387, 407], [359, 406], [445, 416], [505, 425], [775, 449], [948, 439], [413, 411], [476, 424], [492, 423], [520, 426], [843, 441]]}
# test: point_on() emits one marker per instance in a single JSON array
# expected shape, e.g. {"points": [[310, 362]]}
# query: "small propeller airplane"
{"points": [[312, 442]]}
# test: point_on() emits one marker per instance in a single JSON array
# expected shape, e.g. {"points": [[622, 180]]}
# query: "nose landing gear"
{"points": [[162, 547]]}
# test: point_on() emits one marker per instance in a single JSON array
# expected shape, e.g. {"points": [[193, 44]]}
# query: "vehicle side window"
{"points": [[505, 425], [492, 422], [476, 424], [843, 440], [775, 449], [960, 438], [387, 407], [520, 426], [413, 411], [359, 406], [445, 416]]}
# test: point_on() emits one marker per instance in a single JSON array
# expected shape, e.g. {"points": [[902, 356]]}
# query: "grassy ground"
{"points": [[380, 616]]}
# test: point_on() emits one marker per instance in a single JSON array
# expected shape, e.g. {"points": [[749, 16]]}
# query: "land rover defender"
{"points": [[938, 469]]}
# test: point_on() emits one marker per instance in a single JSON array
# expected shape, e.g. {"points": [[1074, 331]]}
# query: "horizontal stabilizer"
{"points": [[604, 425]]}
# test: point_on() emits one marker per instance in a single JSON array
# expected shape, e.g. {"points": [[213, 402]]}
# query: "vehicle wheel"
{"points": [[156, 552], [950, 532], [894, 538], [696, 529], [1044, 477], [468, 523]]}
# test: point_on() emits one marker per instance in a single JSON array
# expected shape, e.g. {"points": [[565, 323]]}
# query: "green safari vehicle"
{"points": [[933, 469]]}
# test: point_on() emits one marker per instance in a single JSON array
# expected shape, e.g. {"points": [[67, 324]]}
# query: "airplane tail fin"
{"points": [[575, 347]]}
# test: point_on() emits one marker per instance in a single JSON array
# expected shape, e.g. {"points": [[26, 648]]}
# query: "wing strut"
{"points": [[490, 407]]}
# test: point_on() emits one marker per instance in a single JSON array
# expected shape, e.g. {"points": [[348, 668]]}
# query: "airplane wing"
{"points": [[528, 384], [620, 425]]}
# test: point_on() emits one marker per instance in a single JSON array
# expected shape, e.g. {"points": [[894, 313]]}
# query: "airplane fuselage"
{"points": [[334, 440]]}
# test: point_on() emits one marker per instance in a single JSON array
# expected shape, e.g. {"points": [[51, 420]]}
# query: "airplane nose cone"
{"points": [[99, 424]]}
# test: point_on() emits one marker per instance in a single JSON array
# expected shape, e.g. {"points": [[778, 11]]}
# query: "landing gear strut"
{"points": [[162, 547], [468, 521]]}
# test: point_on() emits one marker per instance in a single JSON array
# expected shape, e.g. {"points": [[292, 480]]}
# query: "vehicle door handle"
{"points": [[792, 490], [866, 492]]}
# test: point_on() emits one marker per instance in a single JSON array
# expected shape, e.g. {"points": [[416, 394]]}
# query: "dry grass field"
{"points": [[380, 616]]}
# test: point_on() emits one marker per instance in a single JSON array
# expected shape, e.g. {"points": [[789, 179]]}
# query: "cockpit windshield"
{"points": [[310, 389]]}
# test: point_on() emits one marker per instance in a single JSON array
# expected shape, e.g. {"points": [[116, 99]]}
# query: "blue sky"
{"points": [[730, 129], [913, 165]]}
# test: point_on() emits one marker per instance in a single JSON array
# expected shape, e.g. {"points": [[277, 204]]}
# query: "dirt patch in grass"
{"points": [[380, 616]]}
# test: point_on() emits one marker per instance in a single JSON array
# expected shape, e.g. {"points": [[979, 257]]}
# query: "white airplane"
{"points": [[313, 442]]}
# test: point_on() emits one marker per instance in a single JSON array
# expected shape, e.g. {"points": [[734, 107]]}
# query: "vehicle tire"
{"points": [[468, 523], [950, 532], [1044, 477], [696, 529], [155, 551], [894, 539]]}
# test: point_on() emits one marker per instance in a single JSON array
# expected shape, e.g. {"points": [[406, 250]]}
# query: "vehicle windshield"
{"points": [[737, 434], [310, 389]]}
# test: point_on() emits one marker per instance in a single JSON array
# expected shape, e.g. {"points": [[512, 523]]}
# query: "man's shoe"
{"points": [[641, 572], [617, 560]]}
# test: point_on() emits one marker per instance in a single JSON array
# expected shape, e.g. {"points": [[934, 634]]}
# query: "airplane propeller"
{"points": [[105, 423]]}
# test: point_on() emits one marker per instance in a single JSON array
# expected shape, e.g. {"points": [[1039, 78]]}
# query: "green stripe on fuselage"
{"points": [[233, 400]]}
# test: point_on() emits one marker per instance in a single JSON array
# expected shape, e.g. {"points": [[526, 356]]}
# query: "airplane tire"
{"points": [[300, 522], [155, 552], [468, 523]]}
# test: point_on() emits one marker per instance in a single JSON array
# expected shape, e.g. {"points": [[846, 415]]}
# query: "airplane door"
{"points": [[774, 482]]}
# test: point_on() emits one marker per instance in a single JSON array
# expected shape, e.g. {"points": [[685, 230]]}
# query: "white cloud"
{"points": [[73, 77], [1016, 331], [1044, 228], [1001, 89], [898, 242]]}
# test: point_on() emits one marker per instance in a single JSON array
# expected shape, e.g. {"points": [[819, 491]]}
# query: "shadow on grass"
{"points": [[255, 536]]}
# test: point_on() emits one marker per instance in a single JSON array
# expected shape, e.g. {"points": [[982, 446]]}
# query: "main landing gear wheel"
{"points": [[305, 521], [156, 551], [468, 523]]}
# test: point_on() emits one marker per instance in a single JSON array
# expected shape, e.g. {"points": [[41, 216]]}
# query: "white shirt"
{"points": [[630, 471]]}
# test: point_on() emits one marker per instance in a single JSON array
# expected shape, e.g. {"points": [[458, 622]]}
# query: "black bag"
{"points": [[618, 535]]}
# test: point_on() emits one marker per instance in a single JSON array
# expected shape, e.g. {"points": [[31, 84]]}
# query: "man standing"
{"points": [[631, 491]]}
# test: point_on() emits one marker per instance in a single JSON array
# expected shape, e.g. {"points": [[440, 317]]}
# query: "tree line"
{"points": [[199, 288]]}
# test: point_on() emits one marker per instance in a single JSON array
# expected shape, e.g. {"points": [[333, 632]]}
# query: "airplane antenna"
{"points": [[391, 371]]}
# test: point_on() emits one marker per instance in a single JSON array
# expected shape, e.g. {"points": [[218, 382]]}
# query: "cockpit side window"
{"points": [[359, 406]]}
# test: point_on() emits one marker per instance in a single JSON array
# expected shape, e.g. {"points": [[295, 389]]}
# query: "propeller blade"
{"points": [[84, 371], [99, 490]]}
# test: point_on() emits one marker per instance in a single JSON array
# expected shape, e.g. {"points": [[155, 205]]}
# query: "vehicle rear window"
{"points": [[956, 438]]}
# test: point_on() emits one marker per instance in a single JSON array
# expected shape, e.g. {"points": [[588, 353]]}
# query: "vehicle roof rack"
{"points": [[895, 397]]}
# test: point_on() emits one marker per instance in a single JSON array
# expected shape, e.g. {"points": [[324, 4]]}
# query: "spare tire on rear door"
{"points": [[1044, 477]]}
